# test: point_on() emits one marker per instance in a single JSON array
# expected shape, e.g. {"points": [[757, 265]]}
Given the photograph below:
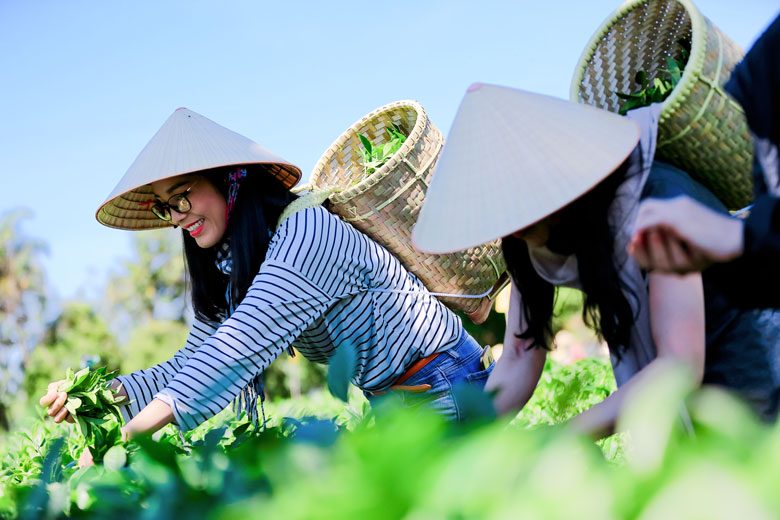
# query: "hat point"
{"points": [[474, 86]]}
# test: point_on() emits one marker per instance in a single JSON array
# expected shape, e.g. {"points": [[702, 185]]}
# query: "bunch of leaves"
{"points": [[660, 88], [94, 406], [375, 156]]}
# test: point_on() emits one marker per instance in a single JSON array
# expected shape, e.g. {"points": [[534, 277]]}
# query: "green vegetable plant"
{"points": [[94, 406], [719, 463], [374, 156], [660, 88]]}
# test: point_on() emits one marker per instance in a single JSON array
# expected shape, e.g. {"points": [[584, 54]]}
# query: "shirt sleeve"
{"points": [[278, 306], [755, 83], [299, 280], [143, 384], [753, 280]]}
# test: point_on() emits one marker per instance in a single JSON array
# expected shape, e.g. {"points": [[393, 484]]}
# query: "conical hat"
{"points": [[186, 143], [513, 158]]}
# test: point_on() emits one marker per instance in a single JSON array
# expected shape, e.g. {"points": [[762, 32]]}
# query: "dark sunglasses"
{"points": [[178, 202]]}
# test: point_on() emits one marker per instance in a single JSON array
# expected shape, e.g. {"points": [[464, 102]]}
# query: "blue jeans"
{"points": [[458, 366]]}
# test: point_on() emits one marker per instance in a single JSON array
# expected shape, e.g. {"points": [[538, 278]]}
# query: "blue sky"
{"points": [[86, 84]]}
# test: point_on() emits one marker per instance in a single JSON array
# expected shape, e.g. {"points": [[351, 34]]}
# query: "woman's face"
{"points": [[205, 221]]}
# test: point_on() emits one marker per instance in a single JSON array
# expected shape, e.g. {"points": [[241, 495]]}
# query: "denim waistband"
{"points": [[466, 347]]}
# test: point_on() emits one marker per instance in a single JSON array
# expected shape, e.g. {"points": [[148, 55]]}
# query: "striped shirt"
{"points": [[323, 284]]}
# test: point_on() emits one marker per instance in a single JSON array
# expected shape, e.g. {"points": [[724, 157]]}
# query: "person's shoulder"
{"points": [[667, 181], [308, 234], [308, 221]]}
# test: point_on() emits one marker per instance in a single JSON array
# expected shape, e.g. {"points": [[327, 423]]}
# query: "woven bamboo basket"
{"points": [[702, 130], [385, 204]]}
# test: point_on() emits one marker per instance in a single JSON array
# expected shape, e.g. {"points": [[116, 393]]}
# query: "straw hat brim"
{"points": [[513, 158], [186, 143]]}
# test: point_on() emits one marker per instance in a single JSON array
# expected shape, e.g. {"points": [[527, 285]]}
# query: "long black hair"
{"points": [[583, 229], [259, 203]]}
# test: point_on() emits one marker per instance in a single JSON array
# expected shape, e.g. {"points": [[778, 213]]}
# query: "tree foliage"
{"points": [[77, 338], [149, 285], [153, 342], [23, 300]]}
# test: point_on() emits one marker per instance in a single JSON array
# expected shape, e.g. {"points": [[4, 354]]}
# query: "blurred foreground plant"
{"points": [[397, 463]]}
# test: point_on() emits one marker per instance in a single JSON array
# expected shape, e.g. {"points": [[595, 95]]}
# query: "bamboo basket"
{"points": [[384, 205], [702, 130]]}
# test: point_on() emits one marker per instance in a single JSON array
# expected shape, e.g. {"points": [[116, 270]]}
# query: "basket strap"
{"points": [[314, 198], [419, 176], [490, 293], [429, 293]]}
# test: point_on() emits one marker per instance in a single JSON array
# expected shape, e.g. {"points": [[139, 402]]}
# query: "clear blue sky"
{"points": [[86, 84]]}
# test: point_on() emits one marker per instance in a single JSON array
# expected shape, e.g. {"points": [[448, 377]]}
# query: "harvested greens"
{"points": [[93, 405], [374, 156], [660, 88]]}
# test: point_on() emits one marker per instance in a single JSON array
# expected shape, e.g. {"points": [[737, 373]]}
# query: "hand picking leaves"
{"points": [[93, 405]]}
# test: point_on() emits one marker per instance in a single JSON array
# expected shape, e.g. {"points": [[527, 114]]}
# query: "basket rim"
{"points": [[364, 185], [690, 75]]}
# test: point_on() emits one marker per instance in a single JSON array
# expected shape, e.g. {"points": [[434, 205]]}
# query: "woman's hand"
{"points": [[681, 236], [55, 400], [514, 378]]}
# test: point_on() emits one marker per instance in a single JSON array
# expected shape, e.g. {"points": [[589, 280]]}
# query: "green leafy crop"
{"points": [[660, 88], [387, 463], [374, 156], [93, 405]]}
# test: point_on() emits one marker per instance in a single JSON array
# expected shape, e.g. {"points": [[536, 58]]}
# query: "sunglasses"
{"points": [[179, 202]]}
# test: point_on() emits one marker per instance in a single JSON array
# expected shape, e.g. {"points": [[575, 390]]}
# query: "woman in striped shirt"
{"points": [[258, 288]]}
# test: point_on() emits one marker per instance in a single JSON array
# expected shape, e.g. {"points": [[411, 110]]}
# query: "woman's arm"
{"points": [[517, 371], [154, 416], [677, 324], [139, 387], [279, 305], [681, 235]]}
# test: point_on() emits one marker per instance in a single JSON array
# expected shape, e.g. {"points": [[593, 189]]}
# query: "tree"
{"points": [[151, 343], [76, 339], [23, 301], [150, 285]]}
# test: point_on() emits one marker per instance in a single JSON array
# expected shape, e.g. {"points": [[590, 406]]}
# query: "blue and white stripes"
{"points": [[314, 290]]}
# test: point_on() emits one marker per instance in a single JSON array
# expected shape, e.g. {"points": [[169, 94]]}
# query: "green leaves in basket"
{"points": [[93, 405], [660, 88], [374, 156]]}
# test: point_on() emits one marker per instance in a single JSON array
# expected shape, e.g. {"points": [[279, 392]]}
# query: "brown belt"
{"points": [[398, 386]]}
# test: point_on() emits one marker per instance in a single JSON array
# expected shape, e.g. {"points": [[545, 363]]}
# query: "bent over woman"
{"points": [[564, 182], [257, 289]]}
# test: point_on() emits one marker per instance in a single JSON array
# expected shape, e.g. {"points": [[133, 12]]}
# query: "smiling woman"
{"points": [[261, 282], [201, 213]]}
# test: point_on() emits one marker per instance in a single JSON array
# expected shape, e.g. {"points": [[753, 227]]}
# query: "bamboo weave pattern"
{"points": [[385, 204], [702, 130]]}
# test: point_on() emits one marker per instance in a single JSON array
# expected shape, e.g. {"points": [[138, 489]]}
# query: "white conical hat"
{"points": [[513, 158], [186, 143]]}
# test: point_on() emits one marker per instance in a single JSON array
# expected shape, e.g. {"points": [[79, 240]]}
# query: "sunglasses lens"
{"points": [[161, 213], [182, 204]]}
